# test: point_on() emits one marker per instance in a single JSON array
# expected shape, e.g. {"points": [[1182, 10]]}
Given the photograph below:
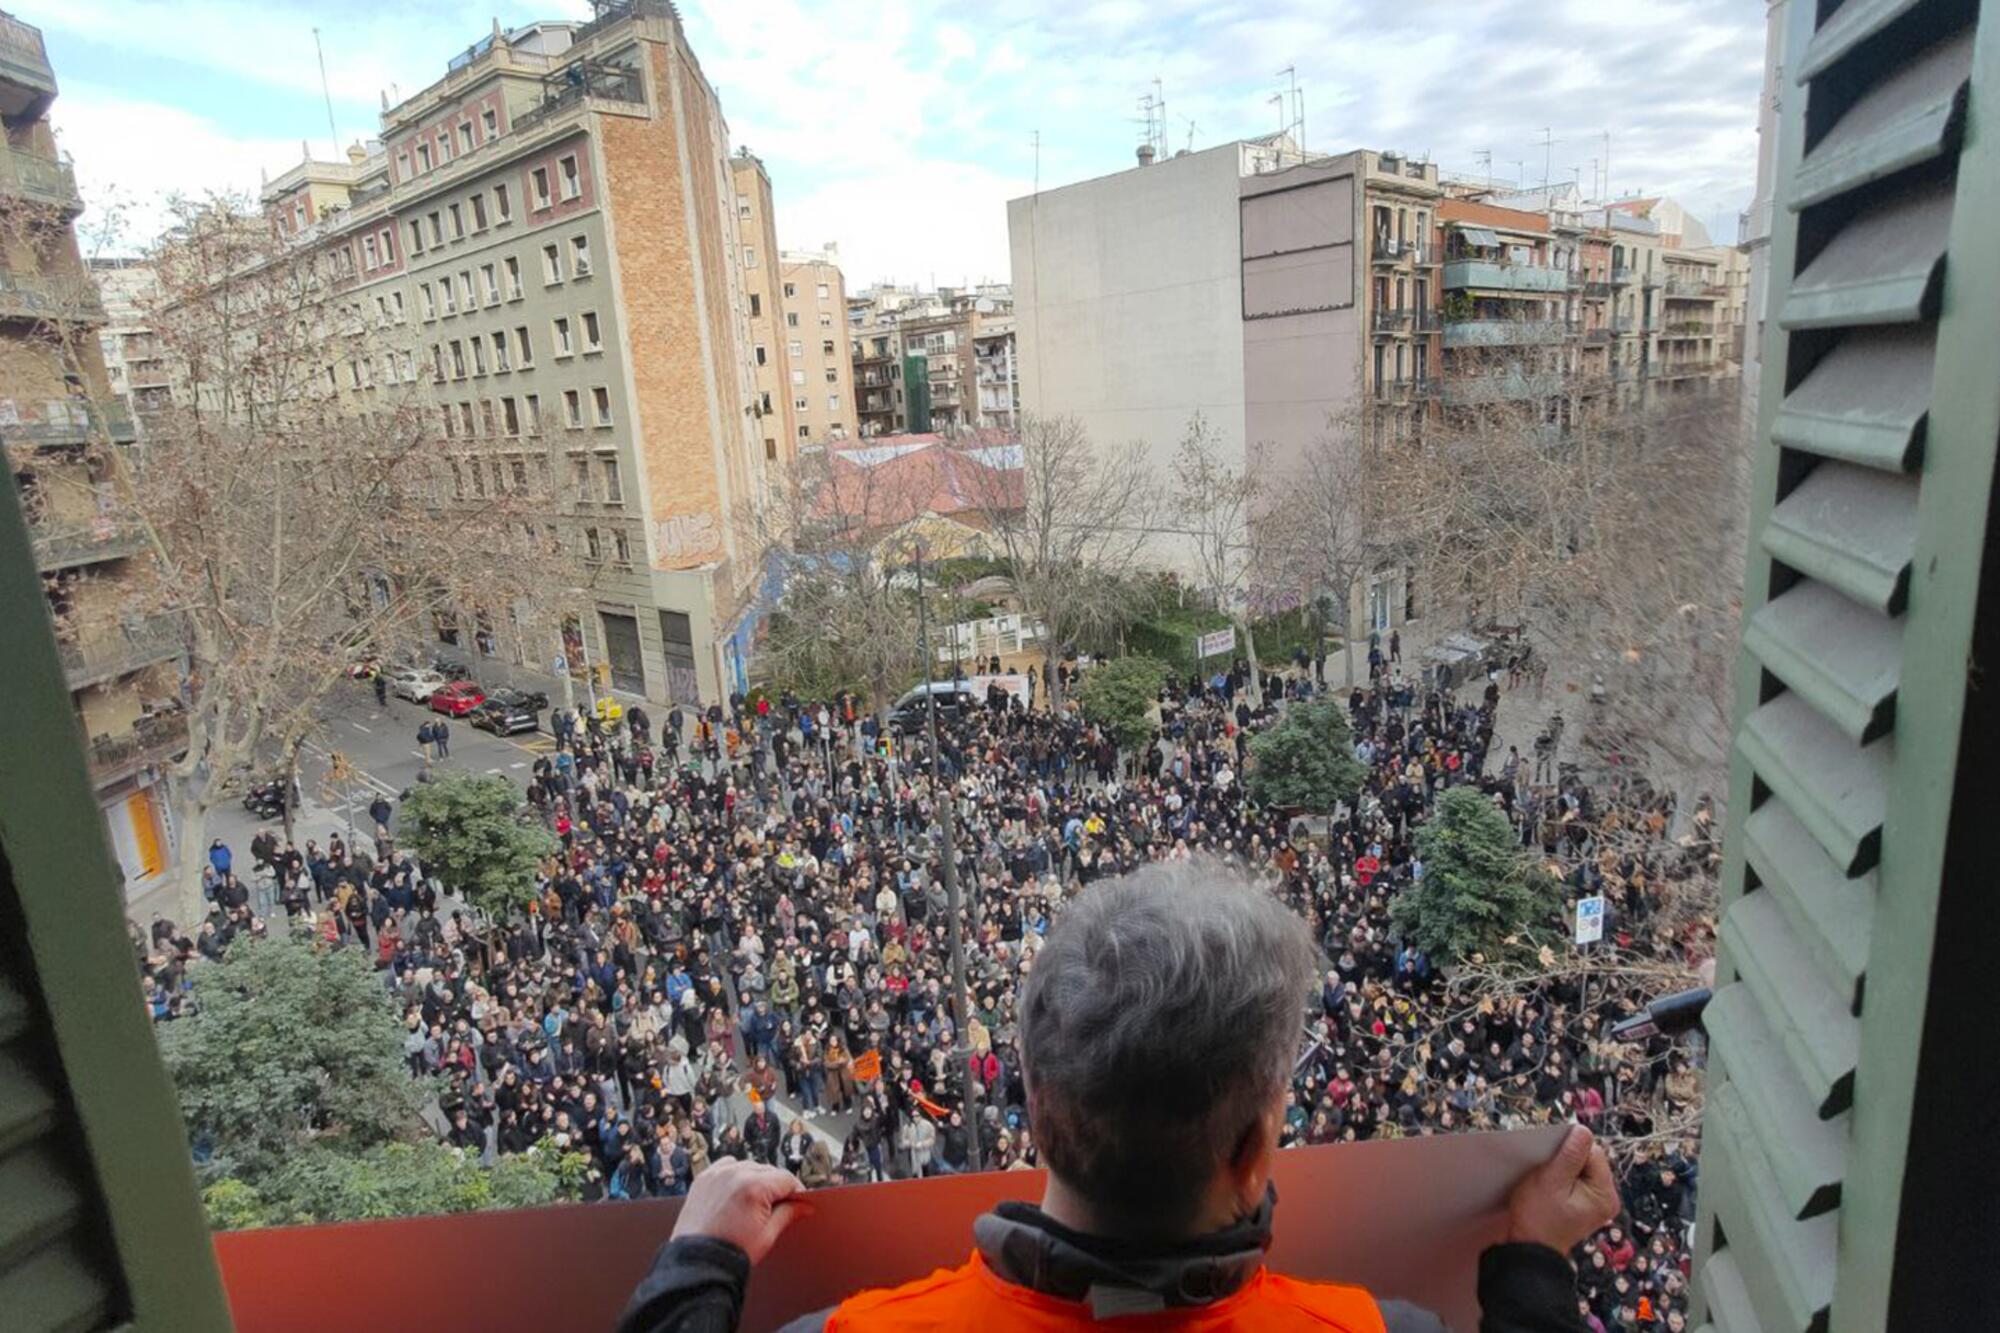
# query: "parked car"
{"points": [[506, 712], [450, 668], [457, 699], [954, 699], [417, 684]]}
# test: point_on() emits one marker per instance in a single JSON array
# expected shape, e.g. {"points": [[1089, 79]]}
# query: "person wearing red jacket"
{"points": [[1158, 1030]]}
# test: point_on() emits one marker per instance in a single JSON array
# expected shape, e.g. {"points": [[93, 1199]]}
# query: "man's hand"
{"points": [[747, 1204], [1566, 1198]]}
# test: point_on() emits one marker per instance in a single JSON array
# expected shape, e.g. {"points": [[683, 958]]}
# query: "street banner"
{"points": [[1215, 644]]}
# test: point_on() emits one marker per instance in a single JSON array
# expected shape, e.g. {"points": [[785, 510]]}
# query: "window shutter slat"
{"points": [[1805, 1015], [1851, 24], [55, 1291], [1831, 913], [36, 1202], [1851, 528], [1865, 402], [1882, 268], [1786, 1266], [1837, 790], [1806, 1153], [1728, 1298], [1841, 656], [1914, 116]]}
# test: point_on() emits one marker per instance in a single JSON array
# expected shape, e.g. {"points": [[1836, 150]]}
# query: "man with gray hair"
{"points": [[1158, 1029]]}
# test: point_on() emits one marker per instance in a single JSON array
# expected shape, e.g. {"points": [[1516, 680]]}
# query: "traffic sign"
{"points": [[1590, 919]]}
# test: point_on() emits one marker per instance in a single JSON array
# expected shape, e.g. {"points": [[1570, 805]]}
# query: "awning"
{"points": [[1480, 236]]}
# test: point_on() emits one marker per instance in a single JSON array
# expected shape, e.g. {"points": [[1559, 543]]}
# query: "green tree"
{"points": [[1306, 761], [467, 829], [393, 1180], [1120, 696], [288, 1048], [1478, 889]]}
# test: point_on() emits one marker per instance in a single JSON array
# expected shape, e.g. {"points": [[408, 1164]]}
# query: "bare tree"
{"points": [[1071, 530], [306, 504], [1214, 504], [1322, 533]]}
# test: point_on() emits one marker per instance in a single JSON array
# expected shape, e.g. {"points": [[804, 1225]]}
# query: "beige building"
{"points": [[60, 419], [555, 231], [776, 408], [938, 361], [814, 299]]}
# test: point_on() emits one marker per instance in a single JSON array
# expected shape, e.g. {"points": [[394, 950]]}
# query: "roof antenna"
{"points": [[327, 92]]}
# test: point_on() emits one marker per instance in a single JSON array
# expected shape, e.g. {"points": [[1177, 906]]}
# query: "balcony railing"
{"points": [[1393, 320], [1674, 370], [78, 423], [1597, 289], [1653, 278], [1597, 335], [1502, 332], [1623, 324], [1689, 328], [56, 297], [604, 87], [154, 739], [1388, 249], [120, 652], [41, 179], [65, 544], [1497, 276], [1429, 320], [1692, 289], [1621, 276]]}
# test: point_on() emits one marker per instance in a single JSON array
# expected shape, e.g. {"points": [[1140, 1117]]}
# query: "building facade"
{"points": [[938, 361], [776, 372], [813, 295], [63, 422], [555, 228]]}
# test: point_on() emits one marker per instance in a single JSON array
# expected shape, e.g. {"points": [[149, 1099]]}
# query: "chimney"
{"points": [[1145, 155]]}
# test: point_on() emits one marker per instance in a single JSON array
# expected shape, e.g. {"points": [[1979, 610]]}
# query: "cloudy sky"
{"points": [[899, 128]]}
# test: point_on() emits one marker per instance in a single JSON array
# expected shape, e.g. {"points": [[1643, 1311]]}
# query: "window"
{"points": [[465, 419], [416, 236], [593, 340], [444, 145], [771, 447], [749, 256], [503, 206], [486, 424], [532, 409], [478, 202], [825, 320], [457, 216], [801, 404], [579, 478], [513, 267], [621, 546], [489, 123], [761, 358], [593, 545], [572, 409], [437, 229], [756, 306], [832, 400], [519, 467], [579, 256], [524, 347], [795, 347], [396, 306], [457, 481], [600, 402], [614, 488], [765, 405], [489, 282], [427, 300], [538, 179], [450, 422], [832, 375], [500, 365], [437, 363], [402, 166], [478, 476], [791, 290], [551, 265], [824, 291], [465, 297], [510, 417], [826, 347], [423, 158], [465, 136], [559, 326], [478, 356], [457, 359], [406, 361], [791, 319], [742, 205], [798, 377], [572, 177], [447, 301]]}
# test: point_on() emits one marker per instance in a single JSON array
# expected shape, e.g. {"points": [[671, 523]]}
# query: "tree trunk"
{"points": [[1250, 652], [191, 825]]}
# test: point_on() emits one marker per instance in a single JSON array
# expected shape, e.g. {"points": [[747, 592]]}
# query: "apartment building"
{"points": [[777, 376], [813, 296], [934, 361], [553, 233], [132, 355], [61, 421], [1508, 303]]}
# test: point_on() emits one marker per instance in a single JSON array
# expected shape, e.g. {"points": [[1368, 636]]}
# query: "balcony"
{"points": [[1652, 278], [1429, 320], [79, 422], [620, 86], [1623, 324], [1501, 386], [40, 180], [1597, 289], [1621, 277], [1597, 336], [1426, 252], [1680, 370], [1392, 320], [1692, 289], [55, 297], [1492, 275], [27, 83], [1502, 332], [65, 544], [1367, 1213], [1689, 328], [119, 652], [1388, 250], [156, 738]]}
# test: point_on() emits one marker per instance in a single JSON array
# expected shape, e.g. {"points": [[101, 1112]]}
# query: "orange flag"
{"points": [[868, 1065]]}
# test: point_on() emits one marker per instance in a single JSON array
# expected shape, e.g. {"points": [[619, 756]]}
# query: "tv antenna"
{"points": [[1293, 107]]}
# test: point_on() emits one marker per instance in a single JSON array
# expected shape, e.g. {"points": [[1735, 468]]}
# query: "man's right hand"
{"points": [[747, 1204], [1565, 1199]]}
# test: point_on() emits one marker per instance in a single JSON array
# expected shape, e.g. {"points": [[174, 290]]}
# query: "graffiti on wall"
{"points": [[686, 537]]}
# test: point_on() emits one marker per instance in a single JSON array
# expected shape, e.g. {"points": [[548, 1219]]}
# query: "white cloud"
{"points": [[921, 222]]}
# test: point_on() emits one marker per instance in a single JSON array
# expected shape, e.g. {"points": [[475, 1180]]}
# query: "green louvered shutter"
{"points": [[1873, 476]]}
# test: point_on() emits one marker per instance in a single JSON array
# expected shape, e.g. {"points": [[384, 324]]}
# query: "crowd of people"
{"points": [[741, 947]]}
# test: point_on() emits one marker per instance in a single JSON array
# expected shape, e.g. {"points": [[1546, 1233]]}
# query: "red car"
{"points": [[458, 698]]}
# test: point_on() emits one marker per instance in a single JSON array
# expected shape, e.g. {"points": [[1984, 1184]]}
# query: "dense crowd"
{"points": [[741, 947]]}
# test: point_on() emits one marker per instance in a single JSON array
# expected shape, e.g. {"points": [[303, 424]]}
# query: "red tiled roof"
{"points": [[885, 481]]}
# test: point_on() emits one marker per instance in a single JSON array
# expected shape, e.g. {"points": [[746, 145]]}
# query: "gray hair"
{"points": [[1160, 1020]]}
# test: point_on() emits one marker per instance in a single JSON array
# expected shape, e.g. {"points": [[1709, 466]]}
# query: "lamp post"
{"points": [[961, 1000]]}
